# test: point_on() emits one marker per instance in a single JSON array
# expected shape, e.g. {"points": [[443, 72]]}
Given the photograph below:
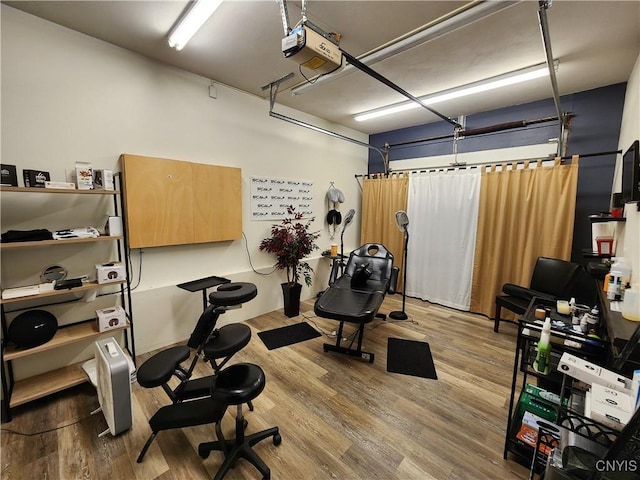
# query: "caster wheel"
{"points": [[277, 439], [203, 452], [245, 424]]}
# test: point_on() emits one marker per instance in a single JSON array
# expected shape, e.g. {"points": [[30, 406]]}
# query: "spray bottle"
{"points": [[543, 357]]}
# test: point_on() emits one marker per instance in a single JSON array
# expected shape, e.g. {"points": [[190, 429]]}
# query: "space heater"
{"points": [[114, 386]]}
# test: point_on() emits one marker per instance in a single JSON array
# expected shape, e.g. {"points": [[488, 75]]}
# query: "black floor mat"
{"points": [[283, 336], [410, 357]]}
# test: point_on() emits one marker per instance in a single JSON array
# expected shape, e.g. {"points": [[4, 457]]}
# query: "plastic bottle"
{"points": [[631, 304], [543, 357], [619, 265], [612, 291]]}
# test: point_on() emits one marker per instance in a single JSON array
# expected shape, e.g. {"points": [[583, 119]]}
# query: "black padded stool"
{"points": [[236, 385]]}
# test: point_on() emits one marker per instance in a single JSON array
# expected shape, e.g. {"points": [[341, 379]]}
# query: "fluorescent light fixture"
{"points": [[492, 83], [191, 22]]}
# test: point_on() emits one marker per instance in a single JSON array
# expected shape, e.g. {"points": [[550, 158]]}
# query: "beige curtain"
{"points": [[524, 214], [382, 197]]}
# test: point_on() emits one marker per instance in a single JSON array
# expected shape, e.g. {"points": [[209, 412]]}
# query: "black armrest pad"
{"points": [[526, 293]]}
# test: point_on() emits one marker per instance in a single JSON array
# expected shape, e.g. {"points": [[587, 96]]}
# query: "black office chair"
{"points": [[356, 296], [215, 346], [552, 279], [234, 385]]}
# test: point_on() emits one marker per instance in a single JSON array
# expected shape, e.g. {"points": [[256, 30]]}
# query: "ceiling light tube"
{"points": [[511, 78], [191, 22]]}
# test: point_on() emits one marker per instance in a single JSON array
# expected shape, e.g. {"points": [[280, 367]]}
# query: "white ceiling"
{"points": [[596, 43]]}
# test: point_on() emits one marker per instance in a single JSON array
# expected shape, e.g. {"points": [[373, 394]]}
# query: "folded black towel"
{"points": [[26, 235]]}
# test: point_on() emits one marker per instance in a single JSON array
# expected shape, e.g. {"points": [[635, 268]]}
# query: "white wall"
{"points": [[629, 132], [67, 97]]}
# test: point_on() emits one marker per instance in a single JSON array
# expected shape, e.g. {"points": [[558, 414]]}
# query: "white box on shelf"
{"points": [[110, 318], [103, 179], [113, 227], [110, 272], [591, 373], [84, 176], [60, 185], [610, 407]]}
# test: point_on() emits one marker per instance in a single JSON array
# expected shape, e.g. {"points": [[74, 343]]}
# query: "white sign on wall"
{"points": [[270, 197]]}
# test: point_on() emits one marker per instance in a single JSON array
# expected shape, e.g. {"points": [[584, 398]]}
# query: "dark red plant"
{"points": [[290, 242]]}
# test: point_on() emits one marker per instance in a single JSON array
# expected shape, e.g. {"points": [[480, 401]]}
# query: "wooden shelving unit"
{"points": [[28, 389]]}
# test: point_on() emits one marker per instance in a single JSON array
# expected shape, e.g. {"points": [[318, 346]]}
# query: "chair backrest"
{"points": [[378, 260], [553, 276], [204, 327]]}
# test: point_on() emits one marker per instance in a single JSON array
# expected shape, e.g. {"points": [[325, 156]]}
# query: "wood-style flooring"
{"points": [[340, 417]]}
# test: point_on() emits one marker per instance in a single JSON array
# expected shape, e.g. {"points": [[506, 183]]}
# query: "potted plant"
{"points": [[291, 241]]}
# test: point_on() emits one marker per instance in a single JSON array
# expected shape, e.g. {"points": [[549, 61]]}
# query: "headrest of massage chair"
{"points": [[335, 196], [334, 217]]}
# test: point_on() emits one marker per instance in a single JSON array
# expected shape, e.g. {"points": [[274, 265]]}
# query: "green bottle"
{"points": [[543, 358]]}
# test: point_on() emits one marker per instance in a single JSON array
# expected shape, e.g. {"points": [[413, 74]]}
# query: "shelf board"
{"points": [[64, 336], [606, 218], [58, 190], [32, 388], [43, 243], [87, 286]]}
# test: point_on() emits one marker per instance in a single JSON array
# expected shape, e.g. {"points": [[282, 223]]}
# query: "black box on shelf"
{"points": [[35, 178], [9, 175]]}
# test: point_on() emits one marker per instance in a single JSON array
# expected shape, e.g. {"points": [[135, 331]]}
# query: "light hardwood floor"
{"points": [[340, 417]]}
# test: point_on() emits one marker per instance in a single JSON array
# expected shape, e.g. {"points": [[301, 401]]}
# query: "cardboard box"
{"points": [[542, 408], [9, 175], [528, 432], [103, 179], [60, 185], [35, 178], [543, 394], [110, 272], [110, 318], [84, 176], [610, 407], [635, 389], [591, 373], [113, 227]]}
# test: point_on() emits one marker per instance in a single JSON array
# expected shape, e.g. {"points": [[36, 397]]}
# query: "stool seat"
{"points": [[227, 340], [187, 414], [234, 293], [159, 368], [238, 384]]}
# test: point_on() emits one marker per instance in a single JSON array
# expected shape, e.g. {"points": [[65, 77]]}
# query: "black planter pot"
{"points": [[291, 293]]}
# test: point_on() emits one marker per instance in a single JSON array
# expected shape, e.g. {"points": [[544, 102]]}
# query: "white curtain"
{"points": [[443, 215]]}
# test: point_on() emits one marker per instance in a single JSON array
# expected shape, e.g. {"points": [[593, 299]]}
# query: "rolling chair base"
{"points": [[240, 447]]}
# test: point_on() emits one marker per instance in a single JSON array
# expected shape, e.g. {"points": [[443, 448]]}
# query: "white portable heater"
{"points": [[114, 385]]}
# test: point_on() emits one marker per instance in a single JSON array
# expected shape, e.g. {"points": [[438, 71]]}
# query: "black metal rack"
{"points": [[529, 330]]}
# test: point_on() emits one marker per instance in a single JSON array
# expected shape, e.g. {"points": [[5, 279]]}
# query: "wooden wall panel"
{"points": [[217, 203], [171, 202]]}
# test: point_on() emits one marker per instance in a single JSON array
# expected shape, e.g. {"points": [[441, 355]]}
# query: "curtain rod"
{"points": [[483, 164], [476, 131]]}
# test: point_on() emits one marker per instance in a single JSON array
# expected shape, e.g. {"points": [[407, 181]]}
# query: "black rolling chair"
{"points": [[234, 385], [215, 346], [237, 385], [552, 279]]}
